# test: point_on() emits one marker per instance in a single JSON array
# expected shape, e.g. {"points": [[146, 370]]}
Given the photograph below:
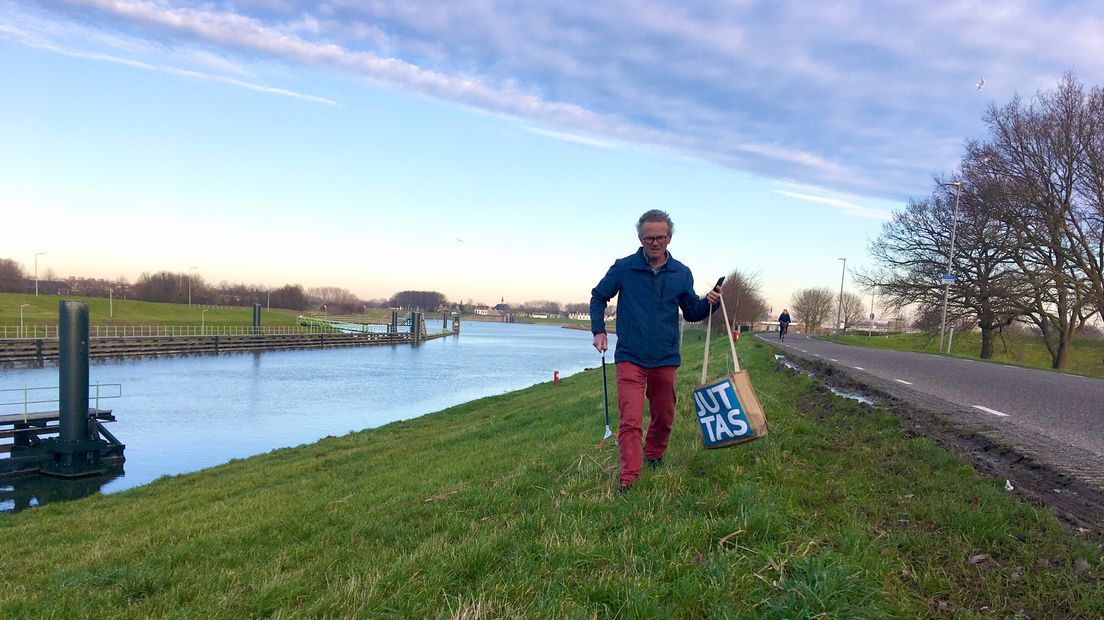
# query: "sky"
{"points": [[492, 149]]}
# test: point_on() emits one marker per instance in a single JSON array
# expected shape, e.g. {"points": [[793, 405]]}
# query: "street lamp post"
{"points": [[110, 304], [873, 290], [268, 306], [190, 285], [950, 258], [22, 332], [839, 310], [36, 271], [203, 322]]}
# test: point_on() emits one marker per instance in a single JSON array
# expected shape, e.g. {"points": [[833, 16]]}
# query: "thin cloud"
{"points": [[844, 206], [575, 138], [22, 38], [788, 155], [247, 33]]}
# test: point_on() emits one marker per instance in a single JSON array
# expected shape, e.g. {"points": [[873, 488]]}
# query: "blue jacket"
{"points": [[647, 308]]}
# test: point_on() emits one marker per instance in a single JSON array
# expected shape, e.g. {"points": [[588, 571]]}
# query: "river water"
{"points": [[184, 413]]}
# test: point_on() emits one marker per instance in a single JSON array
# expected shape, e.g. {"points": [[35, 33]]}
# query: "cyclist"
{"points": [[783, 324]]}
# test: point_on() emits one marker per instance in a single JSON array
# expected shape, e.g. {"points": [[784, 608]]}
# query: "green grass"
{"points": [[43, 310], [504, 507], [1086, 357]]}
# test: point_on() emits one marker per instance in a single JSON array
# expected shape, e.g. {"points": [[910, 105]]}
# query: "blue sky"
{"points": [[494, 149]]}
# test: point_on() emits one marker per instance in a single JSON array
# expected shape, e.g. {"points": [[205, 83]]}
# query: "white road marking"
{"points": [[832, 359], [992, 411], [858, 368], [903, 381], [816, 354]]}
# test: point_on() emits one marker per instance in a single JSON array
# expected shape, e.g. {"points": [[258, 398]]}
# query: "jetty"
{"points": [[78, 445]]}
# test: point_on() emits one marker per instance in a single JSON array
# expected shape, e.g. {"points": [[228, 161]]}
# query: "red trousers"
{"points": [[633, 384]]}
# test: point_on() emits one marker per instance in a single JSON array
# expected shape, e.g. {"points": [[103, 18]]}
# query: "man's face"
{"points": [[655, 239]]}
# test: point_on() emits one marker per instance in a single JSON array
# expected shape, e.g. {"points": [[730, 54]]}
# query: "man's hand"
{"points": [[601, 342], [714, 296]]}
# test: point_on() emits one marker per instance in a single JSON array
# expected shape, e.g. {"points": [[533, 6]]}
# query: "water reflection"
{"points": [[181, 414], [30, 491]]}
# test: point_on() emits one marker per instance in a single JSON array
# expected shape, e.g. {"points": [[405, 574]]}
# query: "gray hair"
{"points": [[655, 215]]}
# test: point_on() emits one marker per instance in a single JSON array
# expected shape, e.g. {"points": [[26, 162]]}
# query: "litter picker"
{"points": [[605, 400]]}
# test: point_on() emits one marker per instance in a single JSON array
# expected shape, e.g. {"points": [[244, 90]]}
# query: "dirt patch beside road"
{"points": [[1058, 477]]}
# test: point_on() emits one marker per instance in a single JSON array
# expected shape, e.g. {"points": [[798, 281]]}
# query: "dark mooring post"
{"points": [[75, 452], [444, 320], [394, 321], [416, 327], [256, 318]]}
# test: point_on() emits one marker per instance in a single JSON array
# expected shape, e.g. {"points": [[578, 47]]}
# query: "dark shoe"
{"points": [[624, 489], [653, 463]]}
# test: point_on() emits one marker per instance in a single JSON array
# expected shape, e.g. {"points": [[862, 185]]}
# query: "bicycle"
{"points": [[782, 329]]}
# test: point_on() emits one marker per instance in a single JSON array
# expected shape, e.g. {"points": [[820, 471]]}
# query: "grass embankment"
{"points": [[1086, 357], [503, 507], [43, 310]]}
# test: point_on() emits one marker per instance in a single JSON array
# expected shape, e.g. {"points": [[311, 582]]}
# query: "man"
{"points": [[783, 323], [652, 287]]}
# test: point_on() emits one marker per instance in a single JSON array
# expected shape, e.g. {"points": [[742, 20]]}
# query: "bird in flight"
{"points": [[981, 84]]}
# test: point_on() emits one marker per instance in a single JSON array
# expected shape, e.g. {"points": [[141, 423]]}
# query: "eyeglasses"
{"points": [[650, 240]]}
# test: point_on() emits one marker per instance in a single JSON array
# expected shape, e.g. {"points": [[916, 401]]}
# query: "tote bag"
{"points": [[728, 409]]}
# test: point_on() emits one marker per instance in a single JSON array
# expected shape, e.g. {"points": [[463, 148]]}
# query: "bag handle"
{"points": [[731, 342]]}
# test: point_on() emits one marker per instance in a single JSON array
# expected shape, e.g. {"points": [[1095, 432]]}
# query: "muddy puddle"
{"points": [[842, 392]]}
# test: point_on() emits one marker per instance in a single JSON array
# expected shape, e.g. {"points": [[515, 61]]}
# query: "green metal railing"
{"points": [[30, 400], [50, 332]]}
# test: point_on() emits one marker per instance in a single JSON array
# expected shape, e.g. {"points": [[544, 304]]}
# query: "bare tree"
{"points": [[913, 248], [542, 305], [290, 297], [12, 278], [167, 287], [1037, 152], [1088, 230], [332, 295], [743, 299], [812, 306], [854, 311], [419, 300]]}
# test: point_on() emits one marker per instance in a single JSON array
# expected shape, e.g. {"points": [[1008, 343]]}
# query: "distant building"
{"points": [[46, 287]]}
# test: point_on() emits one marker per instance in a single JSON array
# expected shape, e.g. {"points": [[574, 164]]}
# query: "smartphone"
{"points": [[720, 281]]}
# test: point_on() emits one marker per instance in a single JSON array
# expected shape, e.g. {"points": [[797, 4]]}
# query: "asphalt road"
{"points": [[1043, 408]]}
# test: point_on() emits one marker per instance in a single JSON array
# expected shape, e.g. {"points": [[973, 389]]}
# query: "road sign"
{"points": [[948, 278], [871, 316]]}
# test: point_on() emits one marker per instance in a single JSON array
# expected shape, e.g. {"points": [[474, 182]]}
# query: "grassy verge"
{"points": [[43, 310], [1086, 357], [503, 507]]}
